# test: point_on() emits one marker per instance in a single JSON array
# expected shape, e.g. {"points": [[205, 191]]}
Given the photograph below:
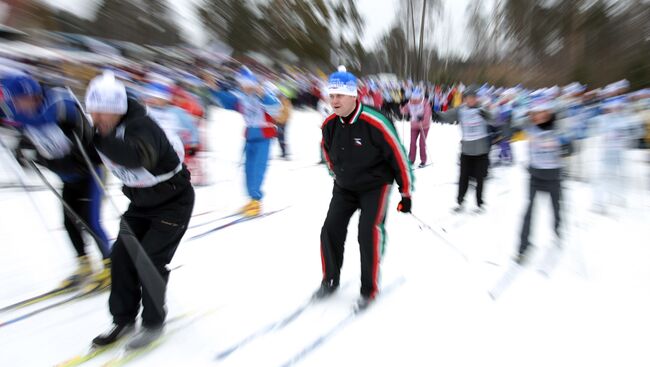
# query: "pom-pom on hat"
{"points": [[342, 82]]}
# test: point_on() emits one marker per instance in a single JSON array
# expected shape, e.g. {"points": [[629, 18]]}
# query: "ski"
{"points": [[95, 351], [441, 233], [235, 221], [550, 260], [544, 267], [274, 326], [235, 214], [59, 291], [88, 290], [506, 279], [349, 317], [127, 355]]}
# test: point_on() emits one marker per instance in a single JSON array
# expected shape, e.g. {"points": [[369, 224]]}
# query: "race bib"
{"points": [[416, 111], [472, 124], [49, 140], [545, 151]]}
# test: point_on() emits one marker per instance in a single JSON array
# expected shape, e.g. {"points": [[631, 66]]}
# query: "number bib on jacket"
{"points": [[545, 150], [49, 140], [136, 177], [472, 124]]}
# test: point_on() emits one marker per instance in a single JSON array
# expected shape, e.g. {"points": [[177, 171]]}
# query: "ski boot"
{"points": [[327, 288], [113, 334], [252, 209], [362, 303], [145, 337], [101, 280], [83, 272]]}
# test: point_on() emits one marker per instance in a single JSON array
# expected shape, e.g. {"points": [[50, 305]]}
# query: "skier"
{"points": [[546, 143], [137, 151], [325, 110], [504, 122], [258, 108], [618, 129], [48, 118], [282, 118], [365, 156], [175, 122], [420, 111], [475, 144]]}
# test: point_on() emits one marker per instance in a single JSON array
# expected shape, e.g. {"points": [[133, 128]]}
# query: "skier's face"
{"points": [[540, 117], [27, 105], [343, 105], [157, 102], [105, 122], [251, 89], [471, 100]]}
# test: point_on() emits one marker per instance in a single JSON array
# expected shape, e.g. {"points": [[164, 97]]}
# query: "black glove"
{"points": [[404, 206], [79, 125]]}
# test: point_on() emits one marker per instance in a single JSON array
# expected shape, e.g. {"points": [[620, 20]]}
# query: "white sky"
{"points": [[379, 16]]}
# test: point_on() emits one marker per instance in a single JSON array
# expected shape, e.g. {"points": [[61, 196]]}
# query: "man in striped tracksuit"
{"points": [[365, 156]]}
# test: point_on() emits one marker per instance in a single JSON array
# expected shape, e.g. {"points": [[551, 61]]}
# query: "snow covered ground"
{"points": [[593, 310]]}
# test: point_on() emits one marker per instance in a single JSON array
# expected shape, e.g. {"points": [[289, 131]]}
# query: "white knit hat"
{"points": [[105, 94]]}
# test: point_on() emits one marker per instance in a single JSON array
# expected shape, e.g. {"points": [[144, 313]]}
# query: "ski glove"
{"points": [[404, 206]]}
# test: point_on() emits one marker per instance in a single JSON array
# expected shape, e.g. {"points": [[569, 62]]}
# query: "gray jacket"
{"points": [[475, 125]]}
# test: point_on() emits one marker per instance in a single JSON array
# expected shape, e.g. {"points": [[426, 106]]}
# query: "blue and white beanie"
{"points": [[342, 82], [105, 94], [20, 85], [614, 103], [158, 91], [540, 104], [417, 94], [617, 87], [574, 88], [246, 78]]}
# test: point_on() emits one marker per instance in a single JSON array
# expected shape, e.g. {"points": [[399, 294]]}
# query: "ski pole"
{"points": [[22, 178], [437, 233]]}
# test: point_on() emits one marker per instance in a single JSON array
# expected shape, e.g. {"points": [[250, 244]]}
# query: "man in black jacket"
{"points": [[365, 156], [137, 151]]}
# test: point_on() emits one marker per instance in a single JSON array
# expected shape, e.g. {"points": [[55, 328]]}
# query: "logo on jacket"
{"points": [[357, 142]]}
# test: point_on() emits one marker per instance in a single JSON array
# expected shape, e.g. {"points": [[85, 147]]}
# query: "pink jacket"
{"points": [[420, 113]]}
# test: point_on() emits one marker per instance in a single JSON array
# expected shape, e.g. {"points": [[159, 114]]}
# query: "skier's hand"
{"points": [[191, 151], [404, 206]]}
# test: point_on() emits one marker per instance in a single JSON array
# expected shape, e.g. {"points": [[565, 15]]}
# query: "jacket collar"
{"points": [[354, 116]]}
